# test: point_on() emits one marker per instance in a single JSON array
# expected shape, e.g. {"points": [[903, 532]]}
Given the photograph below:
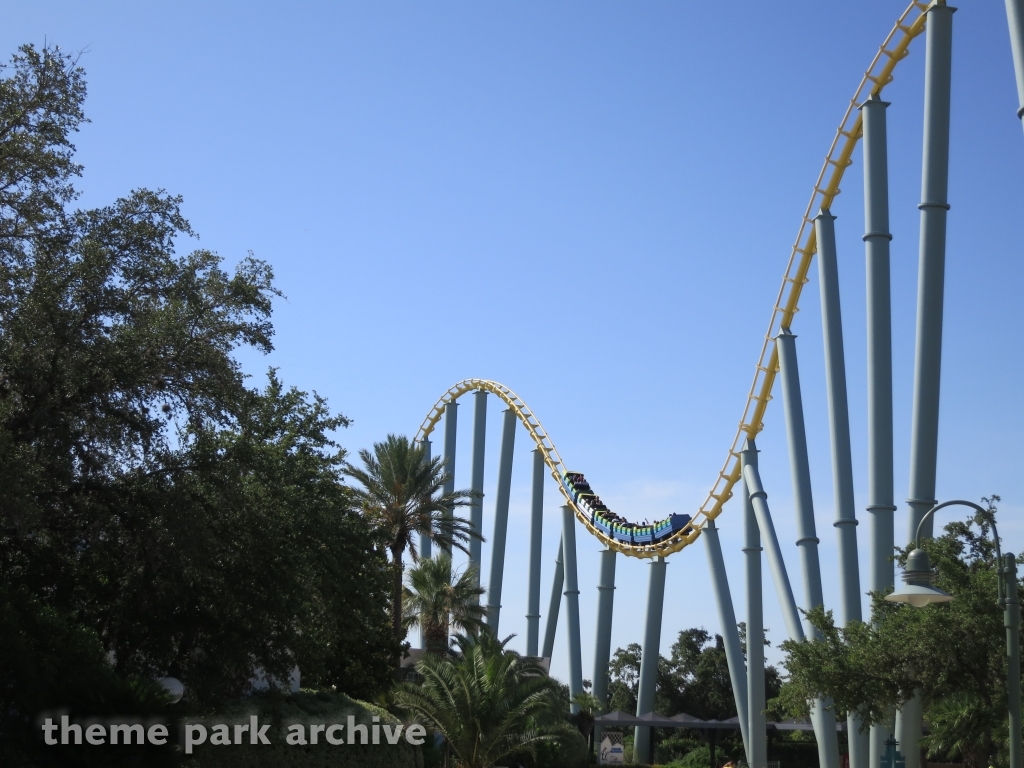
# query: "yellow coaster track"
{"points": [[547, 448], [895, 48]]}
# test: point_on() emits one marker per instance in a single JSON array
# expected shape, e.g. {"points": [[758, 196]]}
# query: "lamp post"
{"points": [[919, 591]]}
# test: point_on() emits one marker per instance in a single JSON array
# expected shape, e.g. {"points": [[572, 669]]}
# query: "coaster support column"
{"points": [[476, 506], [572, 605], [934, 207], [842, 459], [451, 433], [557, 579], [727, 622], [603, 636], [649, 658], [1015, 21], [426, 545], [880, 505], [508, 442], [924, 436], [800, 469], [536, 531], [755, 714], [822, 716]]}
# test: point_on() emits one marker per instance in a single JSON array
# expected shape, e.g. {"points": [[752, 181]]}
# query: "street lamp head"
{"points": [[918, 577]]}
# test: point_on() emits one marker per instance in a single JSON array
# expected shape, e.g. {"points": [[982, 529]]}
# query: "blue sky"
{"points": [[592, 203]]}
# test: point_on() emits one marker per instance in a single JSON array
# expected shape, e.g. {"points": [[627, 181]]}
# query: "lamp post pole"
{"points": [[919, 592], [1011, 619]]}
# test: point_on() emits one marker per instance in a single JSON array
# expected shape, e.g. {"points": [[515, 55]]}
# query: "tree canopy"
{"points": [[439, 599], [694, 678], [165, 514], [953, 655], [490, 703], [402, 492]]}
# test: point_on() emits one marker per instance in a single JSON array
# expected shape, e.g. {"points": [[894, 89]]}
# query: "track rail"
{"points": [[895, 48], [547, 448], [839, 157]]}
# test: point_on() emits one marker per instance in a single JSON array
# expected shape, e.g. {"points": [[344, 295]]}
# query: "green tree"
{"points": [[439, 600], [489, 703], [403, 495], [589, 707], [157, 510], [953, 654], [962, 726], [624, 678], [41, 95], [694, 678]]}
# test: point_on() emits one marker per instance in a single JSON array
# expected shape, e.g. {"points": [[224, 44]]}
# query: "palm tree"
{"points": [[961, 727], [403, 494], [590, 706], [438, 600], [487, 703]]}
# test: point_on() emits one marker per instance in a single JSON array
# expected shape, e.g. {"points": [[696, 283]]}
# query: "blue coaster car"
{"points": [[590, 504]]}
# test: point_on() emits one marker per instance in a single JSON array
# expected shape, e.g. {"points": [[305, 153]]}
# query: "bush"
{"points": [[568, 750], [50, 665], [695, 758]]}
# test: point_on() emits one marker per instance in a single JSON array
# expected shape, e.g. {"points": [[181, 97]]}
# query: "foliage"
{"points": [[41, 97], [694, 679], [699, 757], [403, 495], [490, 703], [961, 729], [589, 706], [159, 515], [565, 749], [47, 657], [952, 653], [438, 600]]}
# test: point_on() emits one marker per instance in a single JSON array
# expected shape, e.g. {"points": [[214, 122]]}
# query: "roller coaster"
{"points": [[864, 121]]}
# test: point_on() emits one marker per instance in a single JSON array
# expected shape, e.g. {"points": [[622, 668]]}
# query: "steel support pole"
{"points": [[572, 605], [909, 721], [924, 436], [508, 443], [1011, 619], [842, 458], [800, 469], [649, 658], [755, 714], [603, 635], [839, 417], [451, 431], [730, 632], [476, 507], [879, 315], [1015, 22], [557, 579], [773, 552], [822, 715], [536, 531], [426, 550]]}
